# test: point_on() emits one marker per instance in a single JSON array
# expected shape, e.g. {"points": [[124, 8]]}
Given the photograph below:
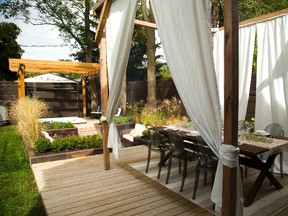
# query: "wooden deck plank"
{"points": [[93, 198], [81, 186]]}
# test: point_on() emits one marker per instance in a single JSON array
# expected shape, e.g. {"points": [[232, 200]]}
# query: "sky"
{"points": [[40, 42], [43, 42]]}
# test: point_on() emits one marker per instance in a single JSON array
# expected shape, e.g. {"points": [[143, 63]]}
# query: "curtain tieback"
{"points": [[229, 155]]}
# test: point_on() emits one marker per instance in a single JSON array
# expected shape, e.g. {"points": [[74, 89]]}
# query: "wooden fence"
{"points": [[65, 99]]}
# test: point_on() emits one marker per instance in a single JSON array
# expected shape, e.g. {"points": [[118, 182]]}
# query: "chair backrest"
{"points": [[176, 143], [204, 151], [275, 129], [154, 137]]}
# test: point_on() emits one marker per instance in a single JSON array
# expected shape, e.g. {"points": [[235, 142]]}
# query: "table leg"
{"points": [[248, 201], [270, 176], [264, 167]]}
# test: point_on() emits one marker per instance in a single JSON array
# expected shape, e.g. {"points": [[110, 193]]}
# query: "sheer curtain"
{"points": [[119, 29], [246, 49], [218, 55], [185, 34], [272, 71]]}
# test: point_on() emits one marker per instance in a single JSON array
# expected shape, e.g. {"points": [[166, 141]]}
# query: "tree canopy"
{"points": [[247, 9], [71, 17], [9, 48]]}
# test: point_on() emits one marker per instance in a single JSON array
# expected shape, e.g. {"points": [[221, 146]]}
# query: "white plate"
{"points": [[193, 133], [261, 132]]}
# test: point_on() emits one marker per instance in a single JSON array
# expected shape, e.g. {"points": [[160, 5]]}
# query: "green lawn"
{"points": [[18, 191]]}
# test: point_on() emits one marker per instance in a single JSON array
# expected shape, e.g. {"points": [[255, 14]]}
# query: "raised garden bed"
{"points": [[120, 127], [67, 144], [63, 132], [42, 158]]}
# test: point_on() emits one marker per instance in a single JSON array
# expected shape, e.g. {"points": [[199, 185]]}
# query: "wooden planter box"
{"points": [[120, 127], [98, 128], [126, 126], [36, 158], [63, 132]]}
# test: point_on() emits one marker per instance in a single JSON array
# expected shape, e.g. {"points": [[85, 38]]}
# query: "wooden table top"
{"points": [[255, 147]]}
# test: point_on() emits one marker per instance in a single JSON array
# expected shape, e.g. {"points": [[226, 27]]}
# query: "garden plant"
{"points": [[24, 114]]}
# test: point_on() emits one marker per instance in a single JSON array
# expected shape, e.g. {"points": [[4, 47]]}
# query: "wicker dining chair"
{"points": [[158, 143]]}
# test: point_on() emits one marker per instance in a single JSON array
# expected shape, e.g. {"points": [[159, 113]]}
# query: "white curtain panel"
{"points": [[272, 71], [185, 33], [246, 49], [119, 29], [218, 55]]}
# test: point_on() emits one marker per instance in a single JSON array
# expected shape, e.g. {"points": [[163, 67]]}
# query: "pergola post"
{"points": [[21, 83], [104, 98], [231, 102], [84, 97]]}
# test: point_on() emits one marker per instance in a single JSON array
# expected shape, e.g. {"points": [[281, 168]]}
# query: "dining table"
{"points": [[250, 151]]}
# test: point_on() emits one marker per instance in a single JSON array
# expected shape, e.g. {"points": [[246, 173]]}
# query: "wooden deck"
{"points": [[80, 186]]}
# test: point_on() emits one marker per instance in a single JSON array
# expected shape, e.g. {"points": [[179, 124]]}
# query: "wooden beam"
{"points": [[84, 97], [21, 83], [230, 102], [145, 23], [98, 7], [103, 18], [62, 67], [261, 18], [104, 98]]}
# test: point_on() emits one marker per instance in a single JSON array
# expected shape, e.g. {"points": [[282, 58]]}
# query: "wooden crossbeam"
{"points": [[145, 23], [261, 18], [61, 67], [98, 8], [103, 18]]}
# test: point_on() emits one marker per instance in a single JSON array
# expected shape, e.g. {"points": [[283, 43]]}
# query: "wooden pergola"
{"points": [[101, 10], [231, 90], [231, 65], [22, 66]]}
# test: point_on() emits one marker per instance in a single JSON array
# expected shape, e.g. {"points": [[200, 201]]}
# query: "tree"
{"points": [[247, 9], [151, 50], [71, 17], [9, 49]]}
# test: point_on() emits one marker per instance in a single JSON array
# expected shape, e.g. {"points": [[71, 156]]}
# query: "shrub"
{"points": [[57, 125], [43, 145], [166, 112], [68, 143], [123, 119], [24, 114]]}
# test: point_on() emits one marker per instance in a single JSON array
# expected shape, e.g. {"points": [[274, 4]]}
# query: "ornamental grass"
{"points": [[24, 114], [166, 112]]}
